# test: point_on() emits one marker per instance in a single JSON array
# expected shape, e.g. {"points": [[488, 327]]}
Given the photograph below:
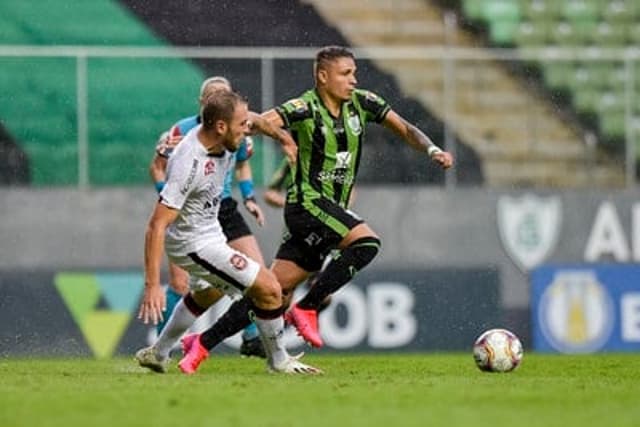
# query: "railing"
{"points": [[449, 58]]}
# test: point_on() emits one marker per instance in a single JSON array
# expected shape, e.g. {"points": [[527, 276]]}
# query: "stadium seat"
{"points": [[612, 125], [541, 10], [473, 9], [611, 110], [503, 32], [530, 34], [580, 11], [611, 102], [10, 32], [616, 78], [503, 17], [42, 157], [559, 74], [620, 12], [566, 33], [42, 113], [594, 84], [633, 34], [609, 35], [592, 75], [586, 101]]}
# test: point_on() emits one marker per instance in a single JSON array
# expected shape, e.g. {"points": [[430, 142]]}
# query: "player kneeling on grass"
{"points": [[185, 222]]}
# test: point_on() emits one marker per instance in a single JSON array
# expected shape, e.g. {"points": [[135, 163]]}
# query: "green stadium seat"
{"points": [[503, 18], [41, 112], [501, 10], [473, 9], [559, 74], [616, 79], [591, 75], [620, 12], [566, 34], [53, 167], [119, 163], [633, 34], [541, 10], [529, 34], [585, 30], [503, 32], [580, 11], [586, 101], [611, 110], [10, 32], [608, 35], [612, 124], [611, 102]]}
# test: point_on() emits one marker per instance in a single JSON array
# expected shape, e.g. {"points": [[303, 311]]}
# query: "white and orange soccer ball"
{"points": [[497, 350]]}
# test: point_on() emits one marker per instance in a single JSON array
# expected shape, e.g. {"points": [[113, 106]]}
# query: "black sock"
{"points": [[340, 270], [230, 323], [325, 302]]}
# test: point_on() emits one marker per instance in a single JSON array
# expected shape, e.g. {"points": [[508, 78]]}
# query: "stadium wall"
{"points": [[461, 258]]}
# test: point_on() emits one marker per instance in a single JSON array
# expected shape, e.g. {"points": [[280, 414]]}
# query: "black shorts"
{"points": [[313, 230], [233, 224]]}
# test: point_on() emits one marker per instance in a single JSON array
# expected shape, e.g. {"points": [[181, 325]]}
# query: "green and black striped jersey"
{"points": [[329, 148]]}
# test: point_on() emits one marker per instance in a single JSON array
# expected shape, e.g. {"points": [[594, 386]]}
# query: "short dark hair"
{"points": [[219, 105], [330, 54]]}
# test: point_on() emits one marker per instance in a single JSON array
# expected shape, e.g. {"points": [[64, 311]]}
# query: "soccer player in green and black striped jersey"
{"points": [[328, 124]]}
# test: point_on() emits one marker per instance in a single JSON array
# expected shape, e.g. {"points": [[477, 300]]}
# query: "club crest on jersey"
{"points": [[209, 167], [354, 123], [372, 97], [298, 105], [343, 159], [238, 262]]}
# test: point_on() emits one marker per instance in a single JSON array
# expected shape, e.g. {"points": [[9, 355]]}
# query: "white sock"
{"points": [[181, 319], [271, 333]]}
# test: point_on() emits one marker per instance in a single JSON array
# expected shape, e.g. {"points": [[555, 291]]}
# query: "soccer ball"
{"points": [[497, 350]]}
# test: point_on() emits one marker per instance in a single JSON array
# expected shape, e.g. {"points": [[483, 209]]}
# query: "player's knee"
{"points": [[266, 290]]}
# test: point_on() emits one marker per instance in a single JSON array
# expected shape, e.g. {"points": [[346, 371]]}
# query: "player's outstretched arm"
{"points": [[270, 123], [417, 139], [153, 302]]}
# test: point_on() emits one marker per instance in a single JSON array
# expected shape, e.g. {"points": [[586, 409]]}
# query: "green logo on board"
{"points": [[101, 305]]}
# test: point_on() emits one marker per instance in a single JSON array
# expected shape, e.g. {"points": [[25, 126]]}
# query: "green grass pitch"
{"points": [[384, 390]]}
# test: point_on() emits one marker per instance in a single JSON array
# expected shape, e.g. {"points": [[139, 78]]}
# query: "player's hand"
{"points": [[290, 150], [274, 198], [167, 143], [443, 158], [289, 146], [173, 140], [153, 304], [254, 209]]}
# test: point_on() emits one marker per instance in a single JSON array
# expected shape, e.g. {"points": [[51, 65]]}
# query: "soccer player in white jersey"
{"points": [[185, 222], [183, 308]]}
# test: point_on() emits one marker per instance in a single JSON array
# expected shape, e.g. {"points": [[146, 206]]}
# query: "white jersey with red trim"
{"points": [[194, 185]]}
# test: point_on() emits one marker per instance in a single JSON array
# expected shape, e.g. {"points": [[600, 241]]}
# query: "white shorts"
{"points": [[220, 266]]}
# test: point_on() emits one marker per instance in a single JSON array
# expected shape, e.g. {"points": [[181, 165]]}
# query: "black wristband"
{"points": [[249, 199]]}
